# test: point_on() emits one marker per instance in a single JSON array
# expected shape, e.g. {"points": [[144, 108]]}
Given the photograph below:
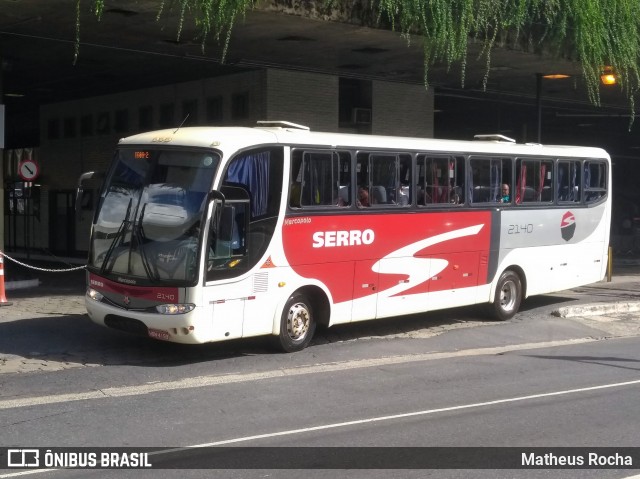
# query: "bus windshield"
{"points": [[147, 225]]}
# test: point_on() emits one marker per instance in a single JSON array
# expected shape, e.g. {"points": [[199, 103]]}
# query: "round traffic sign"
{"points": [[28, 170]]}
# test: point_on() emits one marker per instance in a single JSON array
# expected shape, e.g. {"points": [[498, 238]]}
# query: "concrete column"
{"points": [[2, 136]]}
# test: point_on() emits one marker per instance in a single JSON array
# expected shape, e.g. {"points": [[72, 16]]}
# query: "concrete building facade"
{"points": [[81, 135]]}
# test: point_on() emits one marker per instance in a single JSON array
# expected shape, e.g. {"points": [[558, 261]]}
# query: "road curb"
{"points": [[21, 284], [596, 309]]}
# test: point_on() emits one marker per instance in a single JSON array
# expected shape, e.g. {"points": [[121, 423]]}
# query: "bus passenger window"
{"points": [[568, 181], [441, 180], [595, 181], [318, 178], [534, 180], [487, 177], [385, 179]]}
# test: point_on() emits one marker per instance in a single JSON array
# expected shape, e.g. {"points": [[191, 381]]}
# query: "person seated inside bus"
{"points": [[505, 198], [363, 196]]}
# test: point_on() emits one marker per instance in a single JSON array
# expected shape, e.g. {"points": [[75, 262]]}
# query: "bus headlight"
{"points": [[95, 295], [175, 308]]}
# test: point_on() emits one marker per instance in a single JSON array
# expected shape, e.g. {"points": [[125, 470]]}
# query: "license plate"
{"points": [[158, 334]]}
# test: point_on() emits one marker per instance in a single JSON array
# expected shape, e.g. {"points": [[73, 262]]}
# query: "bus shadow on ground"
{"points": [[67, 341], [429, 324]]}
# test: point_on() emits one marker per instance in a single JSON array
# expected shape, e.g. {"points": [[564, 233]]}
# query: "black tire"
{"points": [[297, 325], [506, 301]]}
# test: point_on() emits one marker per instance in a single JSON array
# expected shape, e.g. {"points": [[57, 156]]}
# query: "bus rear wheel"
{"points": [[506, 301], [297, 324]]}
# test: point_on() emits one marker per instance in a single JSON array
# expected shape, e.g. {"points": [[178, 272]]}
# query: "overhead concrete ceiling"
{"points": [[129, 48]]}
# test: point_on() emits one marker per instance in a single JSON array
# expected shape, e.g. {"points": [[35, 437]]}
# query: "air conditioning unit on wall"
{"points": [[361, 116]]}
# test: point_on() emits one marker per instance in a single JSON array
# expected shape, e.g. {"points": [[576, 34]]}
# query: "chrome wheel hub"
{"points": [[508, 296], [298, 321]]}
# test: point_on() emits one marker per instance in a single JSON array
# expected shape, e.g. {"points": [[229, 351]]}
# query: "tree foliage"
{"points": [[594, 33]]}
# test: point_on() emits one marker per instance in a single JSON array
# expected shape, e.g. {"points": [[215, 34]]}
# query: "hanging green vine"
{"points": [[594, 33], [212, 18]]}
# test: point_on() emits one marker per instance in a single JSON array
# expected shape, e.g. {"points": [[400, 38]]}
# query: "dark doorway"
{"points": [[62, 231]]}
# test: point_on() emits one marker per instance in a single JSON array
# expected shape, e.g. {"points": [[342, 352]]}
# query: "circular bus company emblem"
{"points": [[568, 225]]}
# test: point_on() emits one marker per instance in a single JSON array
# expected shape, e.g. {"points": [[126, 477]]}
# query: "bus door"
{"points": [[227, 288]]}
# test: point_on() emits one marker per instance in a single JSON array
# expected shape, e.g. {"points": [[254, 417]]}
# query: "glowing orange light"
{"points": [[608, 77], [555, 76]]}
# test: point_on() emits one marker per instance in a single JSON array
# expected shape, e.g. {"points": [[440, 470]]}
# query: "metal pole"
{"points": [[539, 104]]}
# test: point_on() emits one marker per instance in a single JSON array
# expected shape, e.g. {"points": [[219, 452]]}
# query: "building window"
{"points": [[103, 124], [355, 98], [53, 129], [240, 106], [215, 110], [86, 125], [189, 113], [121, 122], [145, 118], [69, 128], [167, 115]]}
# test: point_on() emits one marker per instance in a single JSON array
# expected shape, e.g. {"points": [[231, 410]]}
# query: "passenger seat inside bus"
{"points": [[343, 196], [379, 195]]}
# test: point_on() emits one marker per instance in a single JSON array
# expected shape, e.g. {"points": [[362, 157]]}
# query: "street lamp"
{"points": [[608, 77]]}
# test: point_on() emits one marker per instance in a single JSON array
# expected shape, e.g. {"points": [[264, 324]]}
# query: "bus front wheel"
{"points": [[297, 324], [506, 301]]}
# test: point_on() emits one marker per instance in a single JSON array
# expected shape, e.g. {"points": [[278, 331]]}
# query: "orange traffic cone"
{"points": [[3, 298]]}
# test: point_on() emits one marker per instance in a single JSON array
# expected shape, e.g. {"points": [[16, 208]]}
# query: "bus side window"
{"points": [[386, 177], [320, 179], [534, 180], [441, 180], [568, 181], [595, 180], [488, 174]]}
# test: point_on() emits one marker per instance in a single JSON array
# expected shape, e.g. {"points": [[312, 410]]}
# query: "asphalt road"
{"points": [[438, 380], [576, 394]]}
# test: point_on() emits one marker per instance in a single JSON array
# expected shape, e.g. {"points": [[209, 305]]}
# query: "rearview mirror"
{"points": [[79, 192]]}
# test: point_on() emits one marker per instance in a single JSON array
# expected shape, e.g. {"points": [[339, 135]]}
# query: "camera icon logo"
{"points": [[23, 458]]}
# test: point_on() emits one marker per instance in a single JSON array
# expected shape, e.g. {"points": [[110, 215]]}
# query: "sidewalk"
{"points": [[47, 292], [46, 328]]}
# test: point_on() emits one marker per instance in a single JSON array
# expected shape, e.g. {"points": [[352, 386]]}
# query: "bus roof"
{"points": [[230, 139]]}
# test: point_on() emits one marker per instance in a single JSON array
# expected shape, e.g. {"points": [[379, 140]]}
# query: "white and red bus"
{"points": [[208, 234]]}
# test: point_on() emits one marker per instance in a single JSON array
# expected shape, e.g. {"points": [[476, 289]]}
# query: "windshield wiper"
{"points": [[119, 234], [138, 232]]}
